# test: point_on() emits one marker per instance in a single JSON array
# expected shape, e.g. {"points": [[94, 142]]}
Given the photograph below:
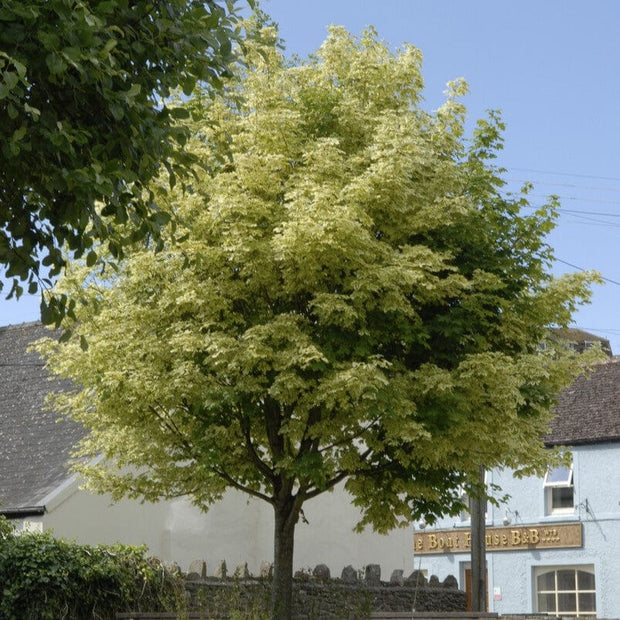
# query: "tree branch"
{"points": [[251, 450], [240, 487], [273, 426], [173, 428]]}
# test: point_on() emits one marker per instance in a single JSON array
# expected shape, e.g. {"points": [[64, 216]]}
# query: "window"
{"points": [[466, 499], [32, 526], [566, 591], [465, 514], [559, 490]]}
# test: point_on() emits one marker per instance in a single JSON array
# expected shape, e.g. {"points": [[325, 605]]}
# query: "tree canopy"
{"points": [[351, 298], [85, 123]]}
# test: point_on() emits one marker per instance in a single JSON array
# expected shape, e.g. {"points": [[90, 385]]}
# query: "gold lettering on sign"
{"points": [[561, 535]]}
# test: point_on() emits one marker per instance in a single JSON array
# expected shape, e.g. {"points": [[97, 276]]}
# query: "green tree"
{"points": [[85, 126], [354, 300]]}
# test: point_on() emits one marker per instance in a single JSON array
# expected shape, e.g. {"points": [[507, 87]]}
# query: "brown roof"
{"points": [[581, 340], [589, 410]]}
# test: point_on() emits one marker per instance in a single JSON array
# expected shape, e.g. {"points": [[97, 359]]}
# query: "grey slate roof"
{"points": [[34, 447], [589, 410]]}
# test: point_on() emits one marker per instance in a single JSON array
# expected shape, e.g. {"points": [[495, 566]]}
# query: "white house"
{"points": [[554, 546], [37, 492]]}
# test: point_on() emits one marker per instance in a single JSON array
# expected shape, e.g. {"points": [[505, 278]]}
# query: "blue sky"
{"points": [[551, 67]]}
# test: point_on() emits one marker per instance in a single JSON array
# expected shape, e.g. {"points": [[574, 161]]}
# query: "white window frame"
{"points": [[32, 526], [556, 591], [465, 514], [551, 483]]}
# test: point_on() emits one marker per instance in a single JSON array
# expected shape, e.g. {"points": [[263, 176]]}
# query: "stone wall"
{"points": [[316, 595]]}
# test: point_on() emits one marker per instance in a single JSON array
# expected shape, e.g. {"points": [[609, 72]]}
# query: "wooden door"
{"points": [[468, 588]]}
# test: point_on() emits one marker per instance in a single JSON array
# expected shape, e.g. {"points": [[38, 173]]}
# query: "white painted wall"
{"points": [[238, 529], [597, 480]]}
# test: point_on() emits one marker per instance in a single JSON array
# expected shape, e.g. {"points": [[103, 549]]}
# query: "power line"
{"points": [[582, 212], [565, 174], [584, 199], [598, 213], [611, 332], [586, 216], [559, 260], [580, 199], [573, 185]]}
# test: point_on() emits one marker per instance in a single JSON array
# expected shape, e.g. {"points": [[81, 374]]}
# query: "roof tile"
{"points": [[588, 411]]}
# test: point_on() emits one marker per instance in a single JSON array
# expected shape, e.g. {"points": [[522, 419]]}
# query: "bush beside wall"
{"points": [[42, 578]]}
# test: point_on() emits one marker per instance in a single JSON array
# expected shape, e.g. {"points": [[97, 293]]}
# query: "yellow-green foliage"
{"points": [[348, 297]]}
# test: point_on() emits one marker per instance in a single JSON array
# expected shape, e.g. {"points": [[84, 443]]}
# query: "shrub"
{"points": [[43, 578]]}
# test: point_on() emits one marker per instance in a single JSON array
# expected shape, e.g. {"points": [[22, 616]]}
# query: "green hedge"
{"points": [[42, 578]]}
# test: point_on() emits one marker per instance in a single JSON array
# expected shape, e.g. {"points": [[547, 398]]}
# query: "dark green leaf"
{"points": [[179, 113], [91, 258]]}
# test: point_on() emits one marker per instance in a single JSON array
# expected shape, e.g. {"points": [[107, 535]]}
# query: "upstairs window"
{"points": [[559, 490], [466, 499]]}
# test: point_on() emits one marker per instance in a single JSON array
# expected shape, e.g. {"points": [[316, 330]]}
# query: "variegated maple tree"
{"points": [[349, 298]]}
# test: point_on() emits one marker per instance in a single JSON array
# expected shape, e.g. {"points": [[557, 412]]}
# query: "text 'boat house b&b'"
{"points": [[553, 547]]}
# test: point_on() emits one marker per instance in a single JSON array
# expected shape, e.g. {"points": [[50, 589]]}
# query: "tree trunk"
{"points": [[478, 550], [286, 515]]}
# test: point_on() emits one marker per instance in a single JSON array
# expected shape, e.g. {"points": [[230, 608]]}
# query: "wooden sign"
{"points": [[515, 538]]}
